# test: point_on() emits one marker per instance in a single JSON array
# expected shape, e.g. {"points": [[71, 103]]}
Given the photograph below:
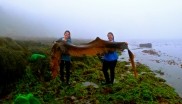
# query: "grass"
{"points": [[127, 89]]}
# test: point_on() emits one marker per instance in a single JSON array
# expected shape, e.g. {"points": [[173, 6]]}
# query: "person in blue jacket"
{"points": [[109, 62], [65, 59]]}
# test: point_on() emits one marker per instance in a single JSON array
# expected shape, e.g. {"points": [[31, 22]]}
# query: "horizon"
{"points": [[90, 19]]}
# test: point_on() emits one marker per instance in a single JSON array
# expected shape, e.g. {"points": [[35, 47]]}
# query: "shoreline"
{"points": [[162, 64]]}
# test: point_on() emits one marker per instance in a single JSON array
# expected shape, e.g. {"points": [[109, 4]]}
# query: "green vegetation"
{"points": [[12, 64], [147, 88], [26, 99]]}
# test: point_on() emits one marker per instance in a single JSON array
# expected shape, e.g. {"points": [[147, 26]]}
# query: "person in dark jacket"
{"points": [[109, 62], [65, 59]]}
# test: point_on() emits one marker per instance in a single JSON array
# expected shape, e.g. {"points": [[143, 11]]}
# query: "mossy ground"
{"points": [[146, 88]]}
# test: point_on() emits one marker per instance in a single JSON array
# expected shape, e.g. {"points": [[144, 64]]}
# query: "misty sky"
{"points": [[127, 19]]}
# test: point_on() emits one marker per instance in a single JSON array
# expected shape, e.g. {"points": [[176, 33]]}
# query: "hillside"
{"points": [[17, 25], [86, 78]]}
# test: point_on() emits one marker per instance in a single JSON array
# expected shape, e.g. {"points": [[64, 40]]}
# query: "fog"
{"points": [[88, 19]]}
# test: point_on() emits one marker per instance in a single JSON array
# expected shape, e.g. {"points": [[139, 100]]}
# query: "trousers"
{"points": [[109, 65], [65, 65]]}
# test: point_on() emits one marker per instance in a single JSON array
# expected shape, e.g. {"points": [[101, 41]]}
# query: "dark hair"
{"points": [[111, 34], [68, 32]]}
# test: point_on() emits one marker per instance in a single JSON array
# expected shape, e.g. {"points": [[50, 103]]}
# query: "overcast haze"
{"points": [[127, 19]]}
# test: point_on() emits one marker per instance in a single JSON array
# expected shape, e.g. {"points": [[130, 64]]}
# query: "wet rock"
{"points": [[159, 72], [171, 62], [151, 52], [158, 61], [146, 45]]}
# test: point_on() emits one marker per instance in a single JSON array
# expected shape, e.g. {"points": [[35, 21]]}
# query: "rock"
{"points": [[151, 52], [90, 84], [146, 45]]}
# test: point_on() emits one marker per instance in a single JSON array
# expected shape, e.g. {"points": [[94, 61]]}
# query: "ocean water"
{"points": [[168, 61]]}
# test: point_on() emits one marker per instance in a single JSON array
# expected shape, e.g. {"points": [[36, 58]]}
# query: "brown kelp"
{"points": [[96, 47]]}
